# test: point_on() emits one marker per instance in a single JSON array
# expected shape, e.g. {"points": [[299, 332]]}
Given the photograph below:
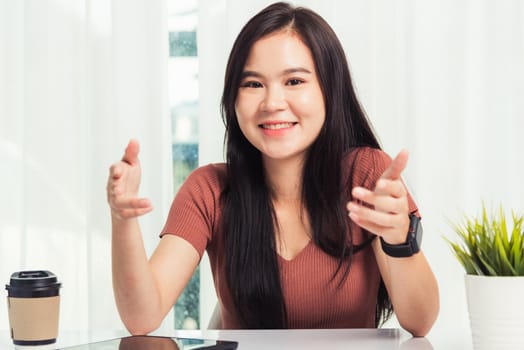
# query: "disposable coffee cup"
{"points": [[33, 302]]}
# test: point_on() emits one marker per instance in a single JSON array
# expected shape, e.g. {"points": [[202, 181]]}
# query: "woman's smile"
{"points": [[277, 129], [277, 125]]}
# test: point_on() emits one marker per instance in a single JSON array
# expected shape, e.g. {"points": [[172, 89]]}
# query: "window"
{"points": [[183, 97]]}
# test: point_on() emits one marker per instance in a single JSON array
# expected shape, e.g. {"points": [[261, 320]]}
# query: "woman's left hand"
{"points": [[410, 282], [384, 211]]}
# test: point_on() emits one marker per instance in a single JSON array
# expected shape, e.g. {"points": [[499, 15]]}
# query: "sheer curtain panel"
{"points": [[78, 78]]}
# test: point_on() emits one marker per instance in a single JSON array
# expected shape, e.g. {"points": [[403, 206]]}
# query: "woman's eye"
{"points": [[294, 82], [251, 84]]}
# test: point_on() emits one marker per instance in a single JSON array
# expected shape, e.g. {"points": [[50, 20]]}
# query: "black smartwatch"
{"points": [[412, 244]]}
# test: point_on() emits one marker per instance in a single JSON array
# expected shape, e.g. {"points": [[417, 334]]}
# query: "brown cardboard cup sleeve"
{"points": [[33, 302]]}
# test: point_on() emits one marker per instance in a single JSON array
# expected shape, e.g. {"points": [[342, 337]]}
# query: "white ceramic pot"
{"points": [[496, 312]]}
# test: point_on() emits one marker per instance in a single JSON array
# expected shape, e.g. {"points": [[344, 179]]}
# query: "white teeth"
{"points": [[277, 126]]}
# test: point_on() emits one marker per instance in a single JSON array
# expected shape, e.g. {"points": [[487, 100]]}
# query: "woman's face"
{"points": [[280, 106]]}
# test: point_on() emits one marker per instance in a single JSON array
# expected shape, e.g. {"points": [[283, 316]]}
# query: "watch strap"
{"points": [[412, 244]]}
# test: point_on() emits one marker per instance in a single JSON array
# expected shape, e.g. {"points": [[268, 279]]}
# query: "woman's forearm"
{"points": [[136, 293], [414, 292]]}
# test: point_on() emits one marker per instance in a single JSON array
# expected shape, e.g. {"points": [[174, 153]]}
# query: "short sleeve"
{"points": [[195, 209]]}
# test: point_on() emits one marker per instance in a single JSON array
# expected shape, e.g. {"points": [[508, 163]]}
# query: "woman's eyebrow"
{"points": [[255, 74], [296, 70], [250, 73]]}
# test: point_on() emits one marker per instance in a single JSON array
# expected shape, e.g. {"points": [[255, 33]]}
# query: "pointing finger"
{"points": [[396, 167], [131, 152]]}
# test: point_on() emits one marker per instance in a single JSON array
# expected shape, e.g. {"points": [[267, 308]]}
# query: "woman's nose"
{"points": [[274, 99]]}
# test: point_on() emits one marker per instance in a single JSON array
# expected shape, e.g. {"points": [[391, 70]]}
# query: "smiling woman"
{"points": [[274, 217]]}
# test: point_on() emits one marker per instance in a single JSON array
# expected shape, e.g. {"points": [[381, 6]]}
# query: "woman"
{"points": [[290, 221]]}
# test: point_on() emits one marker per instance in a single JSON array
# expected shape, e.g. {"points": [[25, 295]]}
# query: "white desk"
{"points": [[368, 339]]}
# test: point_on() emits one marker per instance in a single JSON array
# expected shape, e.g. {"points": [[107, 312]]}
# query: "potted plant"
{"points": [[492, 255]]}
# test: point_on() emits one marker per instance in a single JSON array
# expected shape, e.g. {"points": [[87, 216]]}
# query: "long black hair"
{"points": [[248, 217]]}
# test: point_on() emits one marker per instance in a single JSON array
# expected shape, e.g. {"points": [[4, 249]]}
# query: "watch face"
{"points": [[415, 229], [418, 235]]}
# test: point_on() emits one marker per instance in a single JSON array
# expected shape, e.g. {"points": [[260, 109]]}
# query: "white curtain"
{"points": [[442, 78], [78, 78]]}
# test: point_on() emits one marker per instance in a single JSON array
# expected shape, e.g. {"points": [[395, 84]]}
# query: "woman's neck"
{"points": [[284, 178]]}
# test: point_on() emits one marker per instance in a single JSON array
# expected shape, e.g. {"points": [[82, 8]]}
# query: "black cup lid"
{"points": [[34, 283]]}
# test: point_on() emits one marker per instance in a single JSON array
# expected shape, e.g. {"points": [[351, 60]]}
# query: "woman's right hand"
{"points": [[123, 184], [145, 288]]}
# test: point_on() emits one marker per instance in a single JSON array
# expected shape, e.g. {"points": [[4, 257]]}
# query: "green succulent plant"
{"points": [[486, 247]]}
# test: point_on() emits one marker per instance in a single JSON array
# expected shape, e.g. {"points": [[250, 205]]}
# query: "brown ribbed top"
{"points": [[312, 298]]}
